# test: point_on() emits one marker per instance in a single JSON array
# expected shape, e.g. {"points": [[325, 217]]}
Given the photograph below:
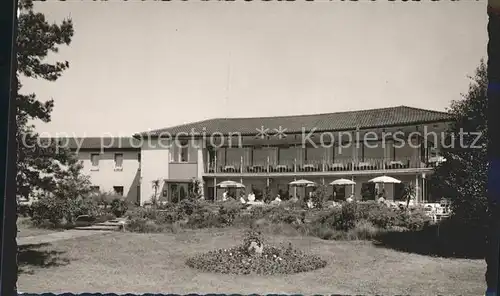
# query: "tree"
{"points": [[463, 176], [409, 192], [156, 187], [39, 166]]}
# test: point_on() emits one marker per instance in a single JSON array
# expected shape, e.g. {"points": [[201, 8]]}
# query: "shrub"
{"points": [[204, 217], [105, 198], [24, 210], [267, 194], [49, 209], [320, 196], [228, 212], [363, 230], [78, 207], [119, 207], [149, 226], [348, 217], [273, 260], [415, 219]]}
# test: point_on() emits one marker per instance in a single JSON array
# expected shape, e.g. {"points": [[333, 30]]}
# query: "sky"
{"points": [[136, 66]]}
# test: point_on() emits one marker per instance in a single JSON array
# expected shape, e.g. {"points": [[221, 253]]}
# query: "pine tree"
{"points": [[39, 167]]}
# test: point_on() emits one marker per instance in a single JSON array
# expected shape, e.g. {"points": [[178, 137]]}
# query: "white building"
{"points": [[130, 166], [113, 164]]}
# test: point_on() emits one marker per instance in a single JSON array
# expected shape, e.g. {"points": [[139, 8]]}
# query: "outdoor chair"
{"points": [[366, 166], [282, 168], [229, 169], [336, 167]]}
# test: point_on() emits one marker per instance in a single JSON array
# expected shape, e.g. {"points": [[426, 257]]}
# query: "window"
{"points": [[94, 159], [118, 161], [118, 190], [184, 151]]}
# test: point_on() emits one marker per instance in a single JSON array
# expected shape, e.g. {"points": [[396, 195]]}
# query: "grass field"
{"points": [[24, 228], [140, 263]]}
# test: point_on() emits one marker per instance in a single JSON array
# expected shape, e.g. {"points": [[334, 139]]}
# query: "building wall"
{"points": [[162, 161], [155, 158], [106, 176]]}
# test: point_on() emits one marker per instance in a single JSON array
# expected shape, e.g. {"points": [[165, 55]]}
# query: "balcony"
{"points": [[317, 166]]}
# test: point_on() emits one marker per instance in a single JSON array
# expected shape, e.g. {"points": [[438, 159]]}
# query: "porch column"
{"points": [[295, 188], [424, 189], [215, 161], [352, 186], [354, 147], [417, 189], [215, 189]]}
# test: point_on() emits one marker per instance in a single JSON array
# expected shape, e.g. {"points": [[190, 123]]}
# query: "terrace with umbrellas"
{"points": [[305, 190]]}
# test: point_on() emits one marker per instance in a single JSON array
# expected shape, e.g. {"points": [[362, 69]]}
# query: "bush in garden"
{"points": [[204, 217], [267, 194], [348, 217], [240, 260], [49, 209], [414, 219], [78, 207], [56, 210], [320, 196], [24, 210], [363, 230], [118, 207], [228, 212], [149, 226]]}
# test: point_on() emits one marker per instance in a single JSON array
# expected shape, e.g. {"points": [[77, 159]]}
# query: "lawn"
{"points": [[141, 263], [25, 229]]}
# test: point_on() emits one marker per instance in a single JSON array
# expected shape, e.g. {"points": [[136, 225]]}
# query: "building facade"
{"points": [[113, 164], [270, 152]]}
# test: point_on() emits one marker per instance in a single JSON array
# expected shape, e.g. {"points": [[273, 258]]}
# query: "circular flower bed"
{"points": [[267, 261]]}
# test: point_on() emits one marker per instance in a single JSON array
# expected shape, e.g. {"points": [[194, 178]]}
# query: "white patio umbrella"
{"points": [[230, 184], [302, 183], [384, 180], [342, 182]]}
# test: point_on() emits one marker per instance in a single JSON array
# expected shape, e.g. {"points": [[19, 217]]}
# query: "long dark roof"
{"points": [[96, 142], [338, 121]]}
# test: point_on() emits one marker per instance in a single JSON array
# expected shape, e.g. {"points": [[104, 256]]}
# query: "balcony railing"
{"points": [[338, 165]]}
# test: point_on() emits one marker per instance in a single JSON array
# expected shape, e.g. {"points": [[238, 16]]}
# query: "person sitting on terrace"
{"points": [[224, 195], [276, 201], [242, 198], [251, 197], [310, 203]]}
